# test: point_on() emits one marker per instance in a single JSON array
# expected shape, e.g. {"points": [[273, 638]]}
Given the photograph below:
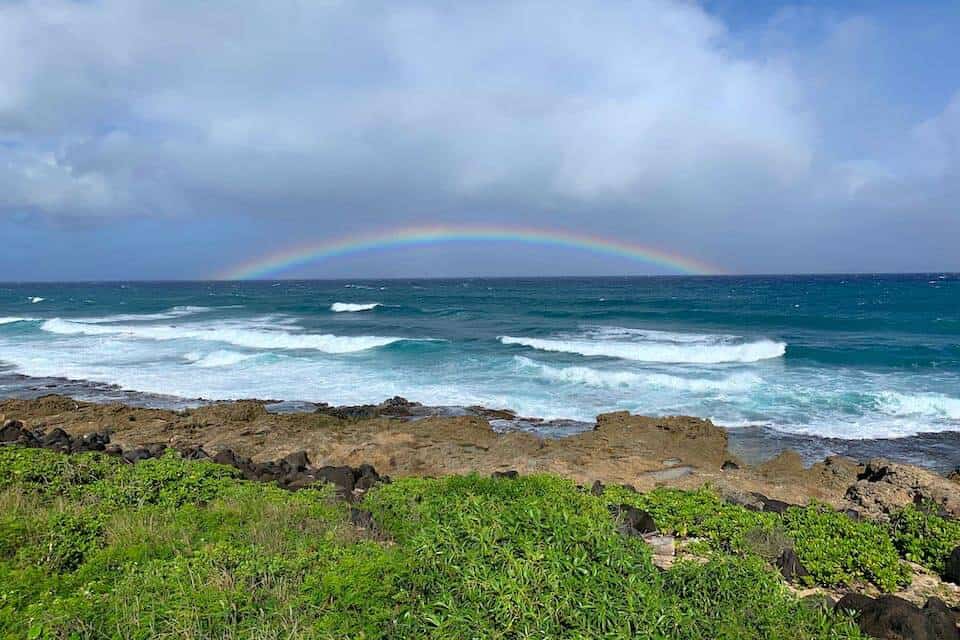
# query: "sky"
{"points": [[171, 140]]}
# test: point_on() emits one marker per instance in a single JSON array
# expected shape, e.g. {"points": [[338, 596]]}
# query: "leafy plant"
{"points": [[924, 537]]}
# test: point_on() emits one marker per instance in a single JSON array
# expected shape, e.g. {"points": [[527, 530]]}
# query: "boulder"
{"points": [[884, 487], [296, 461], [340, 477], [892, 618], [11, 431], [511, 474], [941, 618], [297, 481], [193, 453], [57, 439], [133, 456], [693, 441], [156, 449], [227, 457], [95, 441], [790, 566], [597, 488], [365, 477], [952, 571], [632, 521], [772, 505]]}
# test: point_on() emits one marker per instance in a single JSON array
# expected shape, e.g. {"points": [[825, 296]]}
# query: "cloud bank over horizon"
{"points": [[146, 139]]}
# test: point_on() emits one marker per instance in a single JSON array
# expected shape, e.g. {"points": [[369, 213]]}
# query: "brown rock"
{"points": [[885, 487]]}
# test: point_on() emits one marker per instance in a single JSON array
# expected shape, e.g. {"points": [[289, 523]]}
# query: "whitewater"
{"points": [[828, 359]]}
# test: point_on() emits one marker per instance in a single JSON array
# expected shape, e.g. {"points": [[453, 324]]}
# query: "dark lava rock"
{"points": [[95, 441], [296, 461], [853, 514], [597, 488], [632, 521], [729, 465], [790, 566], [952, 572], [194, 453], [511, 474], [365, 477], [892, 618], [364, 520], [113, 450], [156, 449], [57, 439], [227, 457], [772, 505], [11, 431], [340, 477], [136, 455], [940, 616], [297, 481], [855, 602], [397, 406]]}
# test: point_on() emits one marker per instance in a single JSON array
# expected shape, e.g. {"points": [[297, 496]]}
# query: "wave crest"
{"points": [[249, 338], [657, 346], [220, 358], [339, 307], [617, 379]]}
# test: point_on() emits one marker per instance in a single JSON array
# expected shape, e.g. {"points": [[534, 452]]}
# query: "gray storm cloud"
{"points": [[646, 116]]}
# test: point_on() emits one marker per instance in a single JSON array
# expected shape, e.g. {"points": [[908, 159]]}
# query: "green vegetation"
{"points": [[834, 548], [92, 548], [924, 537]]}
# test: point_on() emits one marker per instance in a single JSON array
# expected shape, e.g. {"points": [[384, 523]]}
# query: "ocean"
{"points": [[859, 365]]}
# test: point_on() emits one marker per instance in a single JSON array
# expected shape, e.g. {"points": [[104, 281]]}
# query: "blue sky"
{"points": [[171, 140]]}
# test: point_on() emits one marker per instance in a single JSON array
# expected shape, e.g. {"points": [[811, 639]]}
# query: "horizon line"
{"points": [[482, 277]]}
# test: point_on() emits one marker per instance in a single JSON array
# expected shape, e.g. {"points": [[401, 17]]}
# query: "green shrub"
{"points": [[924, 537], [834, 549], [838, 550], [69, 539], [168, 548], [699, 514]]}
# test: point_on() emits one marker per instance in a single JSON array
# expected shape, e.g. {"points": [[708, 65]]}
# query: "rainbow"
{"points": [[266, 266]]}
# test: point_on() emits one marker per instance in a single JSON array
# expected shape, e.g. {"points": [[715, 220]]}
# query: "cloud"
{"points": [[649, 117]]}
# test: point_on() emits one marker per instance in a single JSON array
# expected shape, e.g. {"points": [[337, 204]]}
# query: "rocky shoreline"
{"points": [[346, 446], [401, 438]]}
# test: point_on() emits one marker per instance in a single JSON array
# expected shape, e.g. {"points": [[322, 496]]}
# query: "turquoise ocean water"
{"points": [[859, 364]]}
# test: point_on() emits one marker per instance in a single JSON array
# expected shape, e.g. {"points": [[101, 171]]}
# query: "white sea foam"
{"points": [[657, 347], [249, 338], [36, 299], [921, 404], [175, 312], [219, 358], [12, 319], [349, 306], [615, 379]]}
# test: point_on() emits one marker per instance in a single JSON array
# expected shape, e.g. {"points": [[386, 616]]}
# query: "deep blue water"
{"points": [[839, 359]]}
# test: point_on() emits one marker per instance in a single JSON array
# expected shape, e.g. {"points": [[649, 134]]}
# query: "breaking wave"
{"points": [[12, 319], [349, 306], [249, 338], [656, 346], [175, 312], [616, 379], [220, 358], [921, 404]]}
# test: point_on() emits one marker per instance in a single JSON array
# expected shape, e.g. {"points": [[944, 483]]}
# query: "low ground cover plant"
{"points": [[93, 548]]}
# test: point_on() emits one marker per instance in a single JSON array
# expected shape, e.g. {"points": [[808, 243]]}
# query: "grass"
{"points": [[93, 548]]}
